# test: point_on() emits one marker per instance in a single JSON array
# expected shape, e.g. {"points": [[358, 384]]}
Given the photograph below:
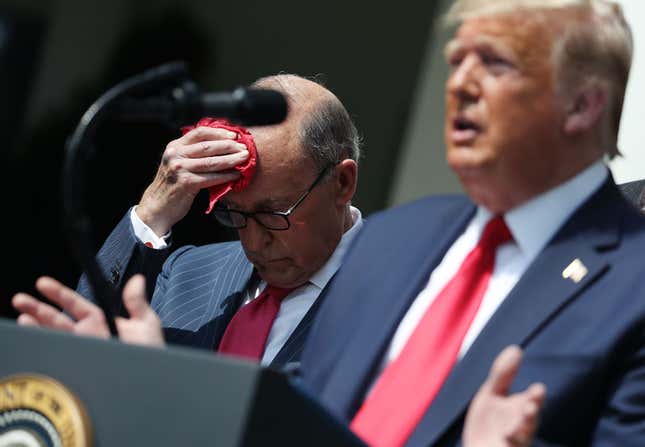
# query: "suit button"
{"points": [[114, 276]]}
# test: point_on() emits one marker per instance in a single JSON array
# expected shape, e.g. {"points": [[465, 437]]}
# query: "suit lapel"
{"points": [[402, 282], [204, 293], [540, 294], [228, 298], [291, 350]]}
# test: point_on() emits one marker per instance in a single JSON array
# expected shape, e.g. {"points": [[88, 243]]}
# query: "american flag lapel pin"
{"points": [[575, 271]]}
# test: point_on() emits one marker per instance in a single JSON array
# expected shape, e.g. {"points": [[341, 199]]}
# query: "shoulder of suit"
{"points": [[431, 205], [188, 253], [634, 191]]}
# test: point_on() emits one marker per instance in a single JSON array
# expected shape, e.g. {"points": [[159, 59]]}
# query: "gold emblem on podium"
{"points": [[38, 411]]}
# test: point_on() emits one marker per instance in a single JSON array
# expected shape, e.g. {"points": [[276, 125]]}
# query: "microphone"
{"points": [[185, 105], [251, 107]]}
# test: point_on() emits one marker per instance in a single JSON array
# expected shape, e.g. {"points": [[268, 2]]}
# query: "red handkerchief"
{"points": [[246, 169]]}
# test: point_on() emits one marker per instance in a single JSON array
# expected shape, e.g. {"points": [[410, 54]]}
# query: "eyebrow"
{"points": [[269, 204], [485, 43], [451, 48]]}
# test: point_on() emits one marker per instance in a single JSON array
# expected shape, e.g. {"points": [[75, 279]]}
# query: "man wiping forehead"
{"points": [[255, 297]]}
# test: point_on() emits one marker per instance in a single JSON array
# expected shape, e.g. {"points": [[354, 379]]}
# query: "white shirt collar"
{"points": [[534, 223], [322, 276]]}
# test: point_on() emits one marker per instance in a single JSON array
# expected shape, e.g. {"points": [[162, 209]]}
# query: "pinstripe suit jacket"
{"points": [[197, 290]]}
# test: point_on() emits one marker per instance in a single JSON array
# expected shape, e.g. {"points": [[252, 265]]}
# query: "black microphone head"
{"points": [[259, 107]]}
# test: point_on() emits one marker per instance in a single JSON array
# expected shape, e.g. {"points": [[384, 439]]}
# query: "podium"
{"points": [[137, 396]]}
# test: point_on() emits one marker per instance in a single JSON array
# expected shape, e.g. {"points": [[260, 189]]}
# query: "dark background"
{"points": [[57, 57]]}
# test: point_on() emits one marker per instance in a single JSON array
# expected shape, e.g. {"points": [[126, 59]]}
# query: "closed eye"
{"points": [[455, 61], [492, 59], [497, 65], [453, 53]]}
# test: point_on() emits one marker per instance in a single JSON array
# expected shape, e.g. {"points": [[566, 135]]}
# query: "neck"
{"points": [[347, 219]]}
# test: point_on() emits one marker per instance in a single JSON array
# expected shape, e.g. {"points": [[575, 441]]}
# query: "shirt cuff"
{"points": [[145, 234]]}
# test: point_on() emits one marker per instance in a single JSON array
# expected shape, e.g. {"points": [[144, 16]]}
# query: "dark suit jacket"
{"points": [[197, 290], [585, 341], [635, 193]]}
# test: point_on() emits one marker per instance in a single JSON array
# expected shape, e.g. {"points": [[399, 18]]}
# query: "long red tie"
{"points": [[247, 333], [409, 384]]}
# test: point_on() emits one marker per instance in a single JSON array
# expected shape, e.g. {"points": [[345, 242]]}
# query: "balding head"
{"points": [[323, 126], [302, 94]]}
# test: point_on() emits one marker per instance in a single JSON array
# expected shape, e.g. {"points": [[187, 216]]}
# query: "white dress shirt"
{"points": [[532, 225], [294, 307], [145, 234], [297, 303]]}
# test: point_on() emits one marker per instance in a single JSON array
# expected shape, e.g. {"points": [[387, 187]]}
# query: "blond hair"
{"points": [[595, 43]]}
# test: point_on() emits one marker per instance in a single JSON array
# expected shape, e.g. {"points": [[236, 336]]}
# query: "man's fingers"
{"points": [[27, 320], [143, 326], [65, 297], [212, 148], [504, 369], [134, 297], [216, 163], [207, 179], [532, 401], [204, 133], [141, 332], [41, 313], [523, 434], [537, 394]]}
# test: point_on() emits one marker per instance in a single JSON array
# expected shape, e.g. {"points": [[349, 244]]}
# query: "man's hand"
{"points": [[143, 327], [202, 158], [496, 419]]}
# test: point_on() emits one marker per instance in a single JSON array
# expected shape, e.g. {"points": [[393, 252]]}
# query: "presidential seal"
{"points": [[36, 411]]}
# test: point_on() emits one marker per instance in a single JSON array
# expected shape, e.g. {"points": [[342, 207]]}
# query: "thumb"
{"points": [[504, 369], [134, 297]]}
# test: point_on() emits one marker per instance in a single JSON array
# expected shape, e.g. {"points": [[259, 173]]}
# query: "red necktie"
{"points": [[247, 333], [408, 385]]}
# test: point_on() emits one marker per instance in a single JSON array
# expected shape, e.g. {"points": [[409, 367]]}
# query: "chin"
{"points": [[470, 175], [281, 279], [467, 161], [488, 195]]}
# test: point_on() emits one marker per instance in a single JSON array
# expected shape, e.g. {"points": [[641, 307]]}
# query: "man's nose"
{"points": [[255, 236], [464, 82]]}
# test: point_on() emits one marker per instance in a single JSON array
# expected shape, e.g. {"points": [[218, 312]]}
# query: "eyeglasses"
{"points": [[271, 220]]}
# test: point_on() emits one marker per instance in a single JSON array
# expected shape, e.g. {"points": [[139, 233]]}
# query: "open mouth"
{"points": [[463, 130], [464, 124]]}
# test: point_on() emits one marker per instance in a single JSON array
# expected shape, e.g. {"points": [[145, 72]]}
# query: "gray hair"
{"points": [[329, 134], [326, 129], [596, 44]]}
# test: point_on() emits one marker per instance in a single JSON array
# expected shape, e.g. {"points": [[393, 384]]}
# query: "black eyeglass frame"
{"points": [[228, 222]]}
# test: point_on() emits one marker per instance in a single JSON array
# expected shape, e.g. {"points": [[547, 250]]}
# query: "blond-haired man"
{"points": [[544, 252]]}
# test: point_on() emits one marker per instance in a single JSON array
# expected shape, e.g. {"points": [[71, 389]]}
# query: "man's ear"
{"points": [[346, 179], [585, 108]]}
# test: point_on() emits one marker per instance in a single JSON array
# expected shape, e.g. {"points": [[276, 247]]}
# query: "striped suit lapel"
{"points": [[203, 292]]}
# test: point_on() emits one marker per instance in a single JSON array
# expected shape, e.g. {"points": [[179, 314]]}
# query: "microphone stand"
{"points": [[77, 221]]}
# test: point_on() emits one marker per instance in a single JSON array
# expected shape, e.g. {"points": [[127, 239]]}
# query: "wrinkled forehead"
{"points": [[528, 37], [277, 144], [281, 162], [276, 183]]}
